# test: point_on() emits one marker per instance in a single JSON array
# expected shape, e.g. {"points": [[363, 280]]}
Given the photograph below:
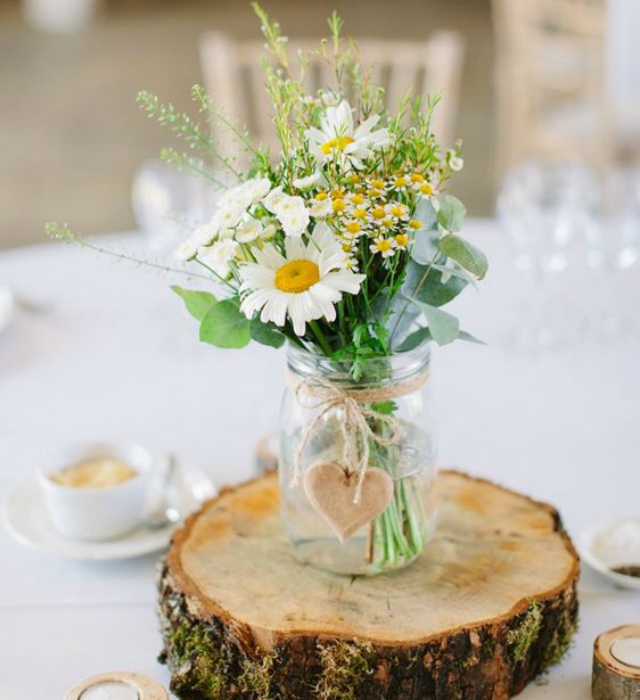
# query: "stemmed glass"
{"points": [[548, 211]]}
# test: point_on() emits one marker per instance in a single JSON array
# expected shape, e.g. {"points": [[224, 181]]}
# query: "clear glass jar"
{"points": [[399, 413]]}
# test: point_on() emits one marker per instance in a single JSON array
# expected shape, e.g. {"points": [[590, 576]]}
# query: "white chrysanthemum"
{"points": [[274, 197], [257, 189], [293, 215], [303, 183], [304, 285], [339, 138], [202, 236], [322, 209], [249, 230], [219, 255]]}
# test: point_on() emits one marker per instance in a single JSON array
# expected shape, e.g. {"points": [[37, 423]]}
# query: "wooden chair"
{"points": [[550, 81], [233, 77]]}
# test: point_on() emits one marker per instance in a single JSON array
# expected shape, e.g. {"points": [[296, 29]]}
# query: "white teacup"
{"points": [[99, 513]]}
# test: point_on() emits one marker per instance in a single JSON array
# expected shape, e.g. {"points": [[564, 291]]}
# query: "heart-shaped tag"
{"points": [[331, 490]]}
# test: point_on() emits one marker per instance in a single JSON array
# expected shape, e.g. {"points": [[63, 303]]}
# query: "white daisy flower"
{"points": [[228, 216], [293, 215], [384, 246], [249, 230], [303, 183], [397, 211], [219, 255], [339, 138], [303, 285]]}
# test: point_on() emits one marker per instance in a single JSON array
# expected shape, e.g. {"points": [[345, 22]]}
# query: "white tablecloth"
{"points": [[118, 358]]}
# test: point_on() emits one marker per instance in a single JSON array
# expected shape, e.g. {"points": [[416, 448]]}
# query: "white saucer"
{"points": [[27, 519], [592, 550]]}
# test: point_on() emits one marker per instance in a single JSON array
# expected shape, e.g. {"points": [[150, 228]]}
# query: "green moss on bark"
{"points": [[520, 638], [346, 667]]}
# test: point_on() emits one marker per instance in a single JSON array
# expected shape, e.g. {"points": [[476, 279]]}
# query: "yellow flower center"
{"points": [[415, 224], [426, 188], [359, 213], [384, 245], [400, 182], [378, 184], [353, 227], [374, 192], [341, 142], [354, 179], [357, 199], [397, 211], [339, 205], [336, 194], [402, 239], [416, 177], [379, 213], [387, 222], [321, 196], [297, 276]]}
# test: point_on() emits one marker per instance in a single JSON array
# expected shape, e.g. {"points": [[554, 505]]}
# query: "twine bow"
{"points": [[355, 427]]}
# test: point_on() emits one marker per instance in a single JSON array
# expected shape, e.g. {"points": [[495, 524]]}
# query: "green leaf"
{"points": [[225, 326], [452, 213], [425, 240], [463, 335], [414, 339], [386, 408], [196, 302], [265, 334], [465, 254], [443, 326]]}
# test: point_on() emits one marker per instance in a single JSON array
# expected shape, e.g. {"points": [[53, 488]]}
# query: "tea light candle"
{"points": [[616, 664], [118, 685], [110, 691]]}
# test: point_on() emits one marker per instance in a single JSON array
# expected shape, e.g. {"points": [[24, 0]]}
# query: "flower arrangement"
{"points": [[345, 244]]}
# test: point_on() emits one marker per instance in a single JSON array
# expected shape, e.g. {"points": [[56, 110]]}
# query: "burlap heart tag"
{"points": [[331, 491]]}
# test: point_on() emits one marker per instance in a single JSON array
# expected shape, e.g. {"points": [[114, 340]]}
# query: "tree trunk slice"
{"points": [[614, 678], [489, 605]]}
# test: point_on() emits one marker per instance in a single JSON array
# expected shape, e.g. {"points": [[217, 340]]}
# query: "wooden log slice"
{"points": [[489, 605]]}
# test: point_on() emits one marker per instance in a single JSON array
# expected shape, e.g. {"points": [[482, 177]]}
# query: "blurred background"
{"points": [[527, 81]]}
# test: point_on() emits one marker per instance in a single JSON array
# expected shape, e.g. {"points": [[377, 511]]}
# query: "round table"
{"points": [[113, 355]]}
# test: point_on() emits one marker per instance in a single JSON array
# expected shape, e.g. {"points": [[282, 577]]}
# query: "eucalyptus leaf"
{"points": [[465, 254], [425, 241], [414, 339], [443, 326], [225, 326], [451, 214], [456, 271], [463, 335], [196, 302], [265, 334]]}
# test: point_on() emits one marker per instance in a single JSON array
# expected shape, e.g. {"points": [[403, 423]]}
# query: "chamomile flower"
{"points": [[402, 241], [384, 246], [425, 189], [340, 139], [293, 214], [303, 285], [352, 229], [399, 212]]}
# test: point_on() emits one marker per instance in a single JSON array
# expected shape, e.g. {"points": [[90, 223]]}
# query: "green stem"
{"points": [[322, 340]]}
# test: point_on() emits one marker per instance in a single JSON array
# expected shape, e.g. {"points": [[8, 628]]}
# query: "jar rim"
{"points": [[383, 369]]}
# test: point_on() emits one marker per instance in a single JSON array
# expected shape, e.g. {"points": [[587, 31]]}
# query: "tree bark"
{"points": [[489, 605]]}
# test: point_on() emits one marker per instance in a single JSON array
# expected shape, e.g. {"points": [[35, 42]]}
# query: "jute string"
{"points": [[355, 428]]}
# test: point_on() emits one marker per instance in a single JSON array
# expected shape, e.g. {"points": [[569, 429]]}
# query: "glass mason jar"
{"points": [[387, 417]]}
